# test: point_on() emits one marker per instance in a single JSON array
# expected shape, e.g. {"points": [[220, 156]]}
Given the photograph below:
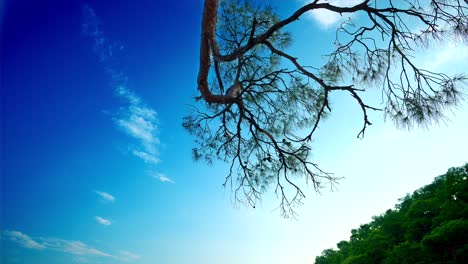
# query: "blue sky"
{"points": [[96, 167]]}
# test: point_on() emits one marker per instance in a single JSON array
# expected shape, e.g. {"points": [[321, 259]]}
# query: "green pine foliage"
{"points": [[429, 226]]}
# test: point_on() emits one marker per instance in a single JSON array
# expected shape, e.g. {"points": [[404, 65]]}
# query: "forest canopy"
{"points": [[428, 226]]}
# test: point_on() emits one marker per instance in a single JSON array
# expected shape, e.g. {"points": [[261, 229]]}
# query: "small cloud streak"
{"points": [[139, 122], [328, 18], [72, 247], [146, 157], [128, 256], [163, 178], [79, 249], [103, 221], [22, 239], [134, 118], [105, 196]]}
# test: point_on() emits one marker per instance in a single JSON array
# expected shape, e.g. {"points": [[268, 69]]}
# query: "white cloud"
{"points": [[72, 247], [444, 58], [103, 221], [22, 239], [106, 196], [328, 18], [146, 157], [127, 94], [80, 250], [140, 123], [135, 118], [128, 256], [163, 178]]}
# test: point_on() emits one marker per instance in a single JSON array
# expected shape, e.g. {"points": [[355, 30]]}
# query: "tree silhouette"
{"points": [[262, 125]]}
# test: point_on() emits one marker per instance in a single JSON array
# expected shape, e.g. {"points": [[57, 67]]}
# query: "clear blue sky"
{"points": [[96, 167]]}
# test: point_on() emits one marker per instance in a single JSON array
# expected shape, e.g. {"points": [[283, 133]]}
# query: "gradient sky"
{"points": [[96, 167]]}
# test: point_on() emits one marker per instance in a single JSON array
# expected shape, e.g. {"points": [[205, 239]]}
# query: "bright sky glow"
{"points": [[326, 18], [96, 167]]}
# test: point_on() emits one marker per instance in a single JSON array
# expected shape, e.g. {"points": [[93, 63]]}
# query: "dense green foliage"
{"points": [[429, 226]]}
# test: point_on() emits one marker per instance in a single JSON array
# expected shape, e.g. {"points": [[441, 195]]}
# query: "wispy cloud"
{"points": [[22, 239], [76, 248], [146, 157], [134, 118], [128, 256], [445, 57], [103, 221], [105, 196], [163, 178], [328, 18], [72, 247], [139, 122]]}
